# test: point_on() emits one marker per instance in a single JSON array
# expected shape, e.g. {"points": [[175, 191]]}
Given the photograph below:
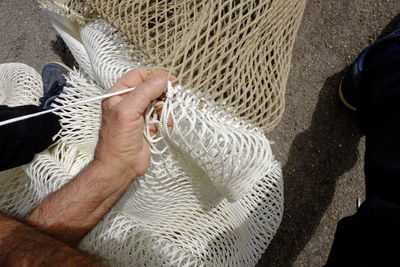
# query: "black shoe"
{"points": [[350, 85], [53, 76]]}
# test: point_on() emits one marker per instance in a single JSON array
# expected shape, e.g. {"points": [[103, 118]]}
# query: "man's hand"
{"points": [[121, 142], [121, 155]]}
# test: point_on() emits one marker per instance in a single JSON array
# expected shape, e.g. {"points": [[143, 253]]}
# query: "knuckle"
{"points": [[140, 95], [121, 114], [140, 69]]}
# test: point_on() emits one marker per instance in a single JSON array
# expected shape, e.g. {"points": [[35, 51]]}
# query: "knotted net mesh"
{"points": [[213, 195], [236, 53]]}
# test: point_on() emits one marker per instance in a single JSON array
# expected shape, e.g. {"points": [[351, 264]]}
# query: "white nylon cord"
{"points": [[25, 117], [213, 180]]}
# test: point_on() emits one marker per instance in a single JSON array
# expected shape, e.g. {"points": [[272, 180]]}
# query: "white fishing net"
{"points": [[235, 53], [20, 85], [213, 195]]}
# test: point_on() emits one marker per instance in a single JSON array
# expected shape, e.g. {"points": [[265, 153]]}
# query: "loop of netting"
{"points": [[213, 195], [230, 152], [20, 85], [236, 53]]}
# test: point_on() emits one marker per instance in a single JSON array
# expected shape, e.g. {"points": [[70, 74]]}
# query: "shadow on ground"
{"points": [[62, 50], [317, 158]]}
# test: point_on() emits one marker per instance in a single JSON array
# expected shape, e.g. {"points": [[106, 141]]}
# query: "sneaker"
{"points": [[53, 76], [349, 86]]}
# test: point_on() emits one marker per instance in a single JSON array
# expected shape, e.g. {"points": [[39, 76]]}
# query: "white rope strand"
{"points": [[25, 117]]}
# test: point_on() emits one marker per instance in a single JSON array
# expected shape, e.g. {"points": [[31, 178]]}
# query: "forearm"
{"points": [[122, 154], [72, 212], [21, 245]]}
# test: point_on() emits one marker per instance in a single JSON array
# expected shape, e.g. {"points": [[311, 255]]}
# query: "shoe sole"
{"points": [[347, 104]]}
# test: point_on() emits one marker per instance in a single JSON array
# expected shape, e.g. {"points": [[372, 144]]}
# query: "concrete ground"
{"points": [[317, 141]]}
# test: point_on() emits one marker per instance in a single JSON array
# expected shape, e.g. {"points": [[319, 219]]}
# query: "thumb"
{"points": [[139, 99]]}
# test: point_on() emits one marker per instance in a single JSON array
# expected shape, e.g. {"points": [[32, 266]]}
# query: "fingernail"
{"points": [[158, 80]]}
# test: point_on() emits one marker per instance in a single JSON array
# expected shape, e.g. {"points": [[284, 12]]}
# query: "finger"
{"points": [[137, 76], [130, 79], [158, 72], [155, 73], [139, 100], [153, 129]]}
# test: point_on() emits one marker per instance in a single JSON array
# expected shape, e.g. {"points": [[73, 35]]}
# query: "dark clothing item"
{"points": [[20, 141], [368, 238], [371, 237], [380, 118]]}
